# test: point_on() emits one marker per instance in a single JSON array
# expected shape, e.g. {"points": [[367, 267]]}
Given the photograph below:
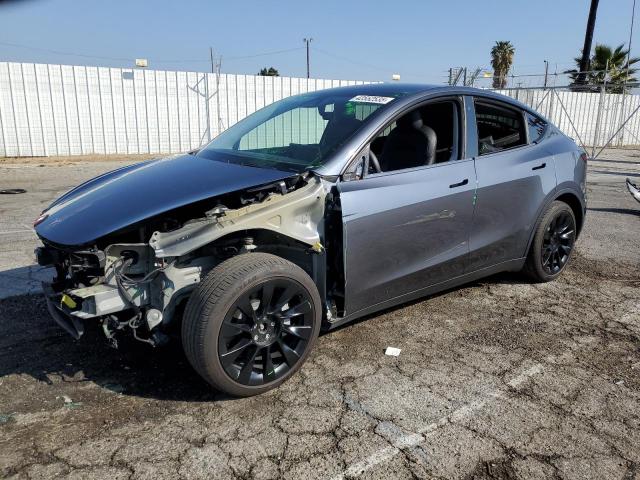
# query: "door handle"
{"points": [[542, 165], [459, 184]]}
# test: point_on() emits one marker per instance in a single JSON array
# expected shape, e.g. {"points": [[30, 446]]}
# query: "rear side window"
{"points": [[536, 127], [499, 128]]}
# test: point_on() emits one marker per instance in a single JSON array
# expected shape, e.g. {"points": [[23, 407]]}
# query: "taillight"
{"points": [[584, 158]]}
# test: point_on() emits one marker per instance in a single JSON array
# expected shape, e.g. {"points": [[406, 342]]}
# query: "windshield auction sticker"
{"points": [[372, 99]]}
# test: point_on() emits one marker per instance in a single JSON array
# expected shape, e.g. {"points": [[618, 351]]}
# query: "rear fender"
{"points": [[571, 195]]}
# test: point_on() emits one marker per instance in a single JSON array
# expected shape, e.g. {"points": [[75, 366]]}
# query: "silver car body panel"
{"points": [[406, 234], [405, 230]]}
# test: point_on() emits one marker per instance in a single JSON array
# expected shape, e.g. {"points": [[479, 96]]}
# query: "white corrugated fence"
{"points": [[589, 118], [74, 110]]}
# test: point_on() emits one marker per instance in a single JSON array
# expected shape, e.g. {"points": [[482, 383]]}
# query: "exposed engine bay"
{"points": [[139, 279]]}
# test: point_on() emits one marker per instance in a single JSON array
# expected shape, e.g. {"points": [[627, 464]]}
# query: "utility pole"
{"points": [[546, 73], [307, 41], [212, 63], [588, 39]]}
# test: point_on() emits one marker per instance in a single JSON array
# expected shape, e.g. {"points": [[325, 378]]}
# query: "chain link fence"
{"points": [[595, 120]]}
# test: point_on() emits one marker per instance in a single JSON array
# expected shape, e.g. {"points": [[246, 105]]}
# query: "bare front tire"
{"points": [[251, 323], [552, 244]]}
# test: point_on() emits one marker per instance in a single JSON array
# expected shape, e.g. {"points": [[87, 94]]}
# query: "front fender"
{"points": [[298, 215]]}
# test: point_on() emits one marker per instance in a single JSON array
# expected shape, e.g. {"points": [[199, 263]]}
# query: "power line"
{"points": [[355, 62], [58, 52], [123, 59], [367, 65], [264, 54]]}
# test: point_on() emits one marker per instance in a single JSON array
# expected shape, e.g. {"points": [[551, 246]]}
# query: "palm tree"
{"points": [[606, 63], [269, 72], [501, 60], [583, 63]]}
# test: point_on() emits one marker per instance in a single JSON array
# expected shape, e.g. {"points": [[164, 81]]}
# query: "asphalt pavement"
{"points": [[501, 378]]}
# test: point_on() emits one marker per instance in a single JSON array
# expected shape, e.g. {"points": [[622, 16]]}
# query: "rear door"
{"points": [[515, 174]]}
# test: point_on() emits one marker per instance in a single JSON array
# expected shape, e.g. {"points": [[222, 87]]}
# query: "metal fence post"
{"points": [[77, 102], [13, 110], [596, 134], [622, 108], [26, 109], [207, 105], [93, 141], [113, 111], [3, 126], [104, 131], [53, 115]]}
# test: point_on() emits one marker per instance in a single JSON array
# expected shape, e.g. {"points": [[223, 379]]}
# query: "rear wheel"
{"points": [[553, 243], [251, 323]]}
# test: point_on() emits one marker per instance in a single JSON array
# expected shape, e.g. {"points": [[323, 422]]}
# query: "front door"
{"points": [[407, 229]]}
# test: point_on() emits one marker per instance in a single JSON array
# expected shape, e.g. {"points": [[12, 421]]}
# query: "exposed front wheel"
{"points": [[251, 323], [553, 243]]}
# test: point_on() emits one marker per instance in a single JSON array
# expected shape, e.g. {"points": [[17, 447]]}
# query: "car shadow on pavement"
{"points": [[23, 280], [32, 344], [625, 211], [621, 174], [506, 278]]}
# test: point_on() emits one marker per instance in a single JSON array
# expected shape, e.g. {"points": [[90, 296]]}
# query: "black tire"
{"points": [[214, 318], [553, 243]]}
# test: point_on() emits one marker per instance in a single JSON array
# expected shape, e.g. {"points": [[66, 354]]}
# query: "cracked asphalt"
{"points": [[498, 379]]}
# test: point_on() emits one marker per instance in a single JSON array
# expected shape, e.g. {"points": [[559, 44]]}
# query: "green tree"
{"points": [[269, 72], [605, 63], [501, 60]]}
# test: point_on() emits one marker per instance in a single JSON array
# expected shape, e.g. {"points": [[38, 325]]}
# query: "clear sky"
{"points": [[352, 39]]}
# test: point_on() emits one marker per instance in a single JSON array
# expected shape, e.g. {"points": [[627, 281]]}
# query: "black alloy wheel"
{"points": [[553, 243], [251, 323], [557, 242], [266, 332]]}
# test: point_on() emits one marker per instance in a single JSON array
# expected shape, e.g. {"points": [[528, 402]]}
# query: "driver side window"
{"points": [[425, 136]]}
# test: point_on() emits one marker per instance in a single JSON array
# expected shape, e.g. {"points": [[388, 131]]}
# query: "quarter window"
{"points": [[498, 128], [536, 127]]}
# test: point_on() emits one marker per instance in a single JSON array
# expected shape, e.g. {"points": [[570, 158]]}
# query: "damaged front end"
{"points": [[139, 278]]}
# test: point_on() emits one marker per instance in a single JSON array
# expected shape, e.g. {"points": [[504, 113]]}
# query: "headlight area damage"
{"points": [[139, 278]]}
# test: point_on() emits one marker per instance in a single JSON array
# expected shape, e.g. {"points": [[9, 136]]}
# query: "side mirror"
{"points": [[356, 170], [349, 176]]}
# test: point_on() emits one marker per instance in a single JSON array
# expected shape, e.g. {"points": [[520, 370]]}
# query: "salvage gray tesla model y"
{"points": [[313, 211]]}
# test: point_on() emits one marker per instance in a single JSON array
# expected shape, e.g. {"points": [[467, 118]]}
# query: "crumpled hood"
{"points": [[130, 194]]}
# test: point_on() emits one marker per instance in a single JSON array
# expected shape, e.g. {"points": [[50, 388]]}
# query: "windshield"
{"points": [[296, 133]]}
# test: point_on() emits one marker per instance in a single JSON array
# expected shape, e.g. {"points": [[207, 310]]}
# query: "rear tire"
{"points": [[552, 244], [251, 323]]}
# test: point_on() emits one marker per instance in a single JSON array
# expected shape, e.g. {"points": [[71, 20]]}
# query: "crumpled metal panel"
{"points": [[298, 214]]}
